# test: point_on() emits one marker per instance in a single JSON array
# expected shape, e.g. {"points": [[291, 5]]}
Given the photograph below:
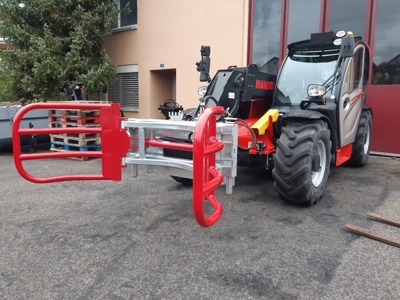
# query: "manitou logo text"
{"points": [[265, 85]]}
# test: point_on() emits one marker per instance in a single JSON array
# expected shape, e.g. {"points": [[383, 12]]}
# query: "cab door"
{"points": [[352, 94]]}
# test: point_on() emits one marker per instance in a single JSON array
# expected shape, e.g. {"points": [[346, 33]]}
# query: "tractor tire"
{"points": [[302, 161], [362, 143], [183, 181]]}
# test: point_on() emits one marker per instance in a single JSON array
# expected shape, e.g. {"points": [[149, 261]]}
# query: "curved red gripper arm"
{"points": [[114, 141], [206, 177]]}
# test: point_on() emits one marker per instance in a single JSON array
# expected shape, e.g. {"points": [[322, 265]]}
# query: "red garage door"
{"points": [[275, 23], [384, 91]]}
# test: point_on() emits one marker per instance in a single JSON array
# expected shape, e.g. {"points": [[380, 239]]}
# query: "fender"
{"points": [[309, 114], [366, 107]]}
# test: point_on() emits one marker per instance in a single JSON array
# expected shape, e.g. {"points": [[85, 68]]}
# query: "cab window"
{"points": [[355, 75]]}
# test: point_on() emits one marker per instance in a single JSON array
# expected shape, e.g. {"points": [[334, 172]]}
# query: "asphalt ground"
{"points": [[137, 239]]}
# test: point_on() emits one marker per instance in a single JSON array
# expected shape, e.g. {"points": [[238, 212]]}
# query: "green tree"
{"points": [[52, 43]]}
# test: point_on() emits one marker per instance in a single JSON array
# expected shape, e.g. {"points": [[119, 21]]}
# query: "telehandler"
{"points": [[310, 116]]}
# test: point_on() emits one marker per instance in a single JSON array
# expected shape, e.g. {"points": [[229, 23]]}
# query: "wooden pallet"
{"points": [[75, 113], [80, 139], [88, 147], [73, 120], [82, 158], [73, 117], [59, 124], [64, 118], [66, 148]]}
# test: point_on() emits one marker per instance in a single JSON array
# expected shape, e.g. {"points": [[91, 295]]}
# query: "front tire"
{"points": [[361, 145], [302, 161]]}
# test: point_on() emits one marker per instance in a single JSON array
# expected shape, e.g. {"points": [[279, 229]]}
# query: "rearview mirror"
{"points": [[203, 66]]}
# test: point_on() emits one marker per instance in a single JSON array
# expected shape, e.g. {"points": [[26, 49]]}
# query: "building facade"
{"points": [[159, 52], [156, 56]]}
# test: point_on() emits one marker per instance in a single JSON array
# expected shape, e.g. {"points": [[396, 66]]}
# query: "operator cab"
{"points": [[327, 74], [312, 69], [305, 65]]}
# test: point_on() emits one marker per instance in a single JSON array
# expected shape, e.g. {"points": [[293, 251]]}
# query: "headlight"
{"points": [[202, 90], [315, 90], [337, 42], [341, 34]]}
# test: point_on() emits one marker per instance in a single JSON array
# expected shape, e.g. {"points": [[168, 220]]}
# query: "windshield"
{"points": [[302, 69]]}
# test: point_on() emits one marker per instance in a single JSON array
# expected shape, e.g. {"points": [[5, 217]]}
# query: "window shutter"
{"points": [[130, 90], [125, 91], [113, 91]]}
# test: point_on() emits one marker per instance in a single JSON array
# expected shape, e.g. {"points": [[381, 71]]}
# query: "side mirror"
{"points": [[203, 66], [347, 47]]}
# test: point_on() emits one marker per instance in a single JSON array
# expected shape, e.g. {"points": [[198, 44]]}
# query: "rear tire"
{"points": [[361, 145], [302, 161], [183, 181]]}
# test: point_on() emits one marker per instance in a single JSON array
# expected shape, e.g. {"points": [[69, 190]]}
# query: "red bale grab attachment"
{"points": [[115, 142], [206, 177], [115, 145]]}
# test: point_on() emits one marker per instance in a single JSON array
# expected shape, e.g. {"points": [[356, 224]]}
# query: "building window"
{"points": [[349, 16], [386, 63], [126, 19], [303, 19], [266, 34], [125, 89]]}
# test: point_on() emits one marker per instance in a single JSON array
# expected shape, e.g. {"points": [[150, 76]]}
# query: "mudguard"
{"points": [[306, 114]]}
